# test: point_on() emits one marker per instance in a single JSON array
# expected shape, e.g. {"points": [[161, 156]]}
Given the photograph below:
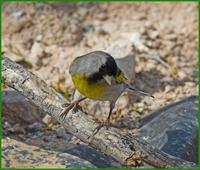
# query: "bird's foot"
{"points": [[106, 124], [74, 106]]}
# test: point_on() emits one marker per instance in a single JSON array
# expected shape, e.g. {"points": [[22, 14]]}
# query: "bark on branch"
{"points": [[126, 148]]}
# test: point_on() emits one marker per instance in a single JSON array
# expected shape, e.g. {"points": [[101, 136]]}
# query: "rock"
{"points": [[181, 74], [153, 34], [26, 156], [18, 14], [39, 37], [170, 37], [87, 27], [6, 125], [106, 28], [36, 54], [101, 16], [190, 84], [60, 132], [37, 126], [19, 108], [17, 129], [96, 158], [49, 120], [136, 40], [67, 136], [178, 129]]}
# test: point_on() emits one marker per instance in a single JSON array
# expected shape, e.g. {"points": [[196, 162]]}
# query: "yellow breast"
{"points": [[93, 90]]}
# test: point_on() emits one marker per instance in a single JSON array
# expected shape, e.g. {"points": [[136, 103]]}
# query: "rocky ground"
{"points": [[45, 38]]}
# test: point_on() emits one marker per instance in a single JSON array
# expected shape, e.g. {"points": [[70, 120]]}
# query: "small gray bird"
{"points": [[97, 76]]}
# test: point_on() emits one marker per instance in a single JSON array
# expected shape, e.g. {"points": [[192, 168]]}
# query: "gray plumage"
{"points": [[97, 62]]}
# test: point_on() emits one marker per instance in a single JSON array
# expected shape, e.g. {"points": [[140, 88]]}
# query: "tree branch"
{"points": [[126, 148]]}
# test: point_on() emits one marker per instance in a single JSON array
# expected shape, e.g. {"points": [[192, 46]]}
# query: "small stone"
{"points": [[167, 88], [39, 37], [182, 74], [170, 37], [106, 28], [18, 14], [190, 84], [141, 105], [67, 136], [143, 31], [148, 24], [36, 54], [153, 34], [35, 127], [101, 16], [21, 108], [49, 120], [136, 40], [60, 132], [24, 152], [7, 125], [17, 129]]}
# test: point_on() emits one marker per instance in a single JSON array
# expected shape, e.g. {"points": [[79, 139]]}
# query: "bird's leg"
{"points": [[68, 106], [112, 105], [102, 124], [107, 123]]}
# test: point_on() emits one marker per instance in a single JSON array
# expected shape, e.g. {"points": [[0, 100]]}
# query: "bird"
{"points": [[96, 76]]}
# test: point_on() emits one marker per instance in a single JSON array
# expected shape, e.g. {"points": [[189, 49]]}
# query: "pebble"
{"points": [[106, 28], [190, 84], [47, 119], [60, 132], [182, 74], [17, 129], [39, 37], [18, 14], [36, 54], [7, 125], [167, 88], [171, 37], [35, 127], [135, 38], [67, 136], [24, 152], [153, 34]]}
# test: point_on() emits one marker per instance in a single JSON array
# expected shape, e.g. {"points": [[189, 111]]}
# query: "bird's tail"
{"points": [[132, 88]]}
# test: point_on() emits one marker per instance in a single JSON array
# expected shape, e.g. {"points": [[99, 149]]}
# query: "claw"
{"points": [[64, 113], [74, 106], [106, 124], [65, 104], [103, 124]]}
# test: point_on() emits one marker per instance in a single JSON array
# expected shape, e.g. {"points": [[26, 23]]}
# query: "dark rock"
{"points": [[17, 107], [174, 129], [35, 127], [96, 158], [31, 156], [60, 132]]}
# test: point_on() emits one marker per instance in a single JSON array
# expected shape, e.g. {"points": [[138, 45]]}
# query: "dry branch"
{"points": [[126, 148]]}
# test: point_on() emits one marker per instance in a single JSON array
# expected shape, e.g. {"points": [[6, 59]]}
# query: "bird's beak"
{"points": [[108, 79]]}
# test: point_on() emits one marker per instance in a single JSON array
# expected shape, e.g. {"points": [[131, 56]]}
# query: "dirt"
{"points": [[46, 37]]}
